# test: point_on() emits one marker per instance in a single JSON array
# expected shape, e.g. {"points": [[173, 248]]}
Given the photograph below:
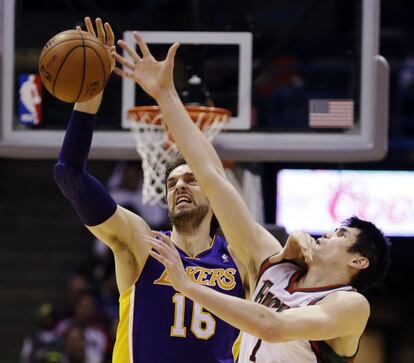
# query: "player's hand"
{"points": [[105, 34], [298, 247], [164, 251], [153, 76]]}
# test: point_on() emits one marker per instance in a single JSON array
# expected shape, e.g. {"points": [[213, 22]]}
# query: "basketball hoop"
{"points": [[155, 145]]}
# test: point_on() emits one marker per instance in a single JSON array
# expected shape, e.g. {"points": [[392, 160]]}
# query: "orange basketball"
{"points": [[74, 66]]}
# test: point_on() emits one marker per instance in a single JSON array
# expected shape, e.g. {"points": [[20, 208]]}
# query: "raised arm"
{"points": [[339, 319], [120, 229], [342, 315], [250, 241]]}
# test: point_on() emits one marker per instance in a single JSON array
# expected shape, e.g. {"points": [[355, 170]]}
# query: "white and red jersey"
{"points": [[275, 289]]}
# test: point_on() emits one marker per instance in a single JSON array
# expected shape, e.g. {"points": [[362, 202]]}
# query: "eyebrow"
{"points": [[171, 179], [182, 175], [342, 229]]}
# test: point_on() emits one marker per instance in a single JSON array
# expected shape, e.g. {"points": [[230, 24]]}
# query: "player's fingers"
{"points": [[122, 73], [158, 257], [78, 28], [277, 257], [307, 250], [110, 37], [163, 237], [120, 59], [131, 52], [142, 45], [89, 26], [100, 30], [164, 241], [169, 244], [310, 254], [161, 248], [157, 246], [309, 259], [172, 51]]}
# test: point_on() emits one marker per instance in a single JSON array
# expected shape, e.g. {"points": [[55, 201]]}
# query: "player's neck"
{"points": [[317, 276], [194, 242]]}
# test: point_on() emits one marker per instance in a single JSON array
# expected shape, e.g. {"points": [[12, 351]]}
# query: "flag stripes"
{"points": [[331, 113]]}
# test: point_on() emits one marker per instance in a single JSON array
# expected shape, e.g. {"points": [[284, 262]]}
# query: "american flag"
{"points": [[331, 113]]}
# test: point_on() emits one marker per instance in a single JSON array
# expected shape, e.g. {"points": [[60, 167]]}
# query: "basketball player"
{"points": [[301, 312], [157, 324]]}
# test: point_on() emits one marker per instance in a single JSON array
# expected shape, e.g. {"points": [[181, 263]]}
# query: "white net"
{"points": [[156, 148]]}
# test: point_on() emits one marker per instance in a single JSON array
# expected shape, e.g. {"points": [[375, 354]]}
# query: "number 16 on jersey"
{"points": [[203, 325]]}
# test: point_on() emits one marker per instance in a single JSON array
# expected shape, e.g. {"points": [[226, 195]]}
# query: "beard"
{"points": [[188, 221]]}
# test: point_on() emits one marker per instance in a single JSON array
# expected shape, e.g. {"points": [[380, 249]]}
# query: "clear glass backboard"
{"points": [[303, 79]]}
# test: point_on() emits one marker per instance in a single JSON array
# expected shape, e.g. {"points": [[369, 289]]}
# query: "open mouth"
{"points": [[183, 200]]}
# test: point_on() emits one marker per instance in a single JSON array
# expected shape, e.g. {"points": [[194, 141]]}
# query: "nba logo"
{"points": [[30, 99]]}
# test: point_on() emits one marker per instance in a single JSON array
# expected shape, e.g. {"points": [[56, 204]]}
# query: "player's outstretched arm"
{"points": [[117, 227], [106, 35], [250, 241], [341, 315]]}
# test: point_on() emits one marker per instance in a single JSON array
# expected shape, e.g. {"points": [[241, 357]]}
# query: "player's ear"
{"points": [[358, 262]]}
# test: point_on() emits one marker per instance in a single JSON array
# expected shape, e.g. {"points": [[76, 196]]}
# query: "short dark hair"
{"points": [[372, 244], [169, 167]]}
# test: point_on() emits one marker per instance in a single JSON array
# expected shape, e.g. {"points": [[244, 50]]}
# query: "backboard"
{"points": [[303, 79]]}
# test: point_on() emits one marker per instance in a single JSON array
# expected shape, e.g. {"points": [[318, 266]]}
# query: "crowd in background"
{"points": [[82, 329]]}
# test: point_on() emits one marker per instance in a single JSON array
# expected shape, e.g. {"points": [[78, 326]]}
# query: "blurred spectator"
{"points": [[44, 345], [279, 95], [74, 345], [406, 76], [125, 186], [76, 285], [86, 315], [283, 72], [404, 108]]}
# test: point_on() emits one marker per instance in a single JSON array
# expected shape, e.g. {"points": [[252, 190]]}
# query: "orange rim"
{"points": [[136, 113]]}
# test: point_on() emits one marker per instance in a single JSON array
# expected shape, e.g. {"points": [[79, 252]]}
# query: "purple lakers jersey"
{"points": [[158, 324]]}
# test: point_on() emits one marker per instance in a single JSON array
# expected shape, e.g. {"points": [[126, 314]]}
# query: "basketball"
{"points": [[74, 66]]}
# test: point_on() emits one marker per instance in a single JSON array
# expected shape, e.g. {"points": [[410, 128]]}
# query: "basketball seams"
{"points": [[68, 79], [84, 68], [62, 64], [42, 55], [100, 60]]}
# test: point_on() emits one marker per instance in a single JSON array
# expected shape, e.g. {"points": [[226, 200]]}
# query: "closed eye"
{"points": [[171, 183], [191, 180], [341, 232]]}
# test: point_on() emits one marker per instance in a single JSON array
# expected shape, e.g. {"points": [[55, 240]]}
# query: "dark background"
{"points": [[42, 242]]}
